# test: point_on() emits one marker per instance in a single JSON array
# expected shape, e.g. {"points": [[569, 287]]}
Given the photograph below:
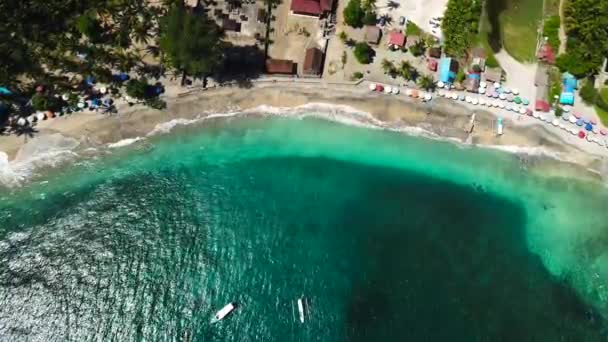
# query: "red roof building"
{"points": [[280, 66], [542, 106], [546, 54], [396, 39], [314, 8]]}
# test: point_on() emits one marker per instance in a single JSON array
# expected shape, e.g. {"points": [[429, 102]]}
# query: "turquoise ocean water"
{"points": [[389, 237]]}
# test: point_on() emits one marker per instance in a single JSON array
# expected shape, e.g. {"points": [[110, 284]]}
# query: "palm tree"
{"points": [[387, 66], [426, 82], [406, 70]]}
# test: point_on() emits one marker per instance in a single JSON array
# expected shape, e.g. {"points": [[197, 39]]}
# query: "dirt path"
{"points": [[562, 29]]}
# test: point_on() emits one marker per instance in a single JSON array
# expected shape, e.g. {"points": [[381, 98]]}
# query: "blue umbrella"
{"points": [[579, 122], [589, 127]]}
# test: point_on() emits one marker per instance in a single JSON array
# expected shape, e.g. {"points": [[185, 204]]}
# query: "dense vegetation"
{"points": [[460, 25], [551, 31], [587, 28], [197, 57], [592, 96], [48, 40], [357, 14]]}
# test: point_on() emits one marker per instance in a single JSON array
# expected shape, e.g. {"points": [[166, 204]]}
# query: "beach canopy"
{"points": [[555, 122], [461, 97], [581, 134], [577, 115], [372, 86], [379, 87], [525, 102], [515, 91], [440, 84], [517, 100], [496, 85], [593, 121], [395, 91], [572, 119], [603, 131], [580, 122], [589, 127], [388, 89], [502, 96]]}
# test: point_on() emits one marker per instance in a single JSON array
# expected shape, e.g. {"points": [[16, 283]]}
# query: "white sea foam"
{"points": [[125, 142], [56, 149]]}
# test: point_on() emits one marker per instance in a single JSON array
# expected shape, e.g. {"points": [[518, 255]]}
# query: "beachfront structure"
{"points": [[280, 66], [372, 34], [493, 75], [448, 68], [313, 8], [431, 64], [313, 62], [435, 52], [570, 84], [396, 39], [545, 53], [472, 83]]}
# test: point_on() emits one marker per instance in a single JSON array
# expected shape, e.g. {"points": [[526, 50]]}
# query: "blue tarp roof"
{"points": [[5, 91], [445, 74], [473, 75], [570, 84], [567, 98]]}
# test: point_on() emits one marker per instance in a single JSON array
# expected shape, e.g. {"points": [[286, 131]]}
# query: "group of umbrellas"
{"points": [[414, 93]]}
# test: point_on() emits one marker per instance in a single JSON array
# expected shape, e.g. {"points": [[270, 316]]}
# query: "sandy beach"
{"points": [[440, 118]]}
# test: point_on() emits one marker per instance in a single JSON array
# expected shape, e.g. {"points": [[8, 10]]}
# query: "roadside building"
{"points": [[231, 25], [396, 39], [541, 79], [431, 64], [545, 53], [435, 52], [313, 62], [448, 68], [314, 8], [280, 66], [372, 34]]}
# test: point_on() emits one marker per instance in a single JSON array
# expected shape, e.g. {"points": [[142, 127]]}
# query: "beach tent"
{"points": [[447, 70], [566, 98]]}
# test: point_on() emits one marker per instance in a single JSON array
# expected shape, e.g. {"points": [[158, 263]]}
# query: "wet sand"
{"points": [[443, 118]]}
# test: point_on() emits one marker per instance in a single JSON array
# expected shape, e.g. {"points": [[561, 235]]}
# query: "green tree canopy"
{"points": [[459, 25], [363, 53], [354, 13], [192, 43]]}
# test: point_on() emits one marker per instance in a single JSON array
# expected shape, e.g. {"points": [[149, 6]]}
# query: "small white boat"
{"points": [[223, 312], [301, 309]]}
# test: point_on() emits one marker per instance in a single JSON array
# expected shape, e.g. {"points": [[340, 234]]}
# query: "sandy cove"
{"points": [[442, 117]]}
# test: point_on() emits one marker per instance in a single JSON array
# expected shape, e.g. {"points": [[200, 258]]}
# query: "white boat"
{"points": [[223, 312], [301, 309]]}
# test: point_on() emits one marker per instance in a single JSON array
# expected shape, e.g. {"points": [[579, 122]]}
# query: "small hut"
{"points": [[372, 34], [313, 62], [396, 39], [280, 66]]}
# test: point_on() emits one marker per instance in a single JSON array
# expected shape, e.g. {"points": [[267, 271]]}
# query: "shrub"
{"points": [[40, 102], [354, 14], [370, 18], [138, 88], [417, 49], [357, 75], [588, 93], [551, 31], [491, 61], [460, 76], [363, 53]]}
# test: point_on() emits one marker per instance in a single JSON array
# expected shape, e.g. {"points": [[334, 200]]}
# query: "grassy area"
{"points": [[515, 24], [551, 7], [551, 31], [412, 29], [603, 114], [483, 41], [555, 83]]}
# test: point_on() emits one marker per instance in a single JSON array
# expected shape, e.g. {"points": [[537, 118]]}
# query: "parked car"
{"points": [[402, 21]]}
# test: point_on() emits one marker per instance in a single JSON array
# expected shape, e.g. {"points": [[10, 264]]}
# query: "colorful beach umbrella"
{"points": [[580, 122], [372, 86], [593, 121], [581, 134], [588, 127], [515, 91], [577, 115], [572, 119], [517, 100], [555, 122], [603, 131], [525, 101]]}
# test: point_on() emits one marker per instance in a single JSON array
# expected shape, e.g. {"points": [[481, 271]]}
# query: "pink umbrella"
{"points": [[593, 121], [577, 115], [603, 131], [581, 135]]}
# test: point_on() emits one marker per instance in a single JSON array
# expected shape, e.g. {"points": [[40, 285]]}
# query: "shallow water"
{"points": [[389, 237]]}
